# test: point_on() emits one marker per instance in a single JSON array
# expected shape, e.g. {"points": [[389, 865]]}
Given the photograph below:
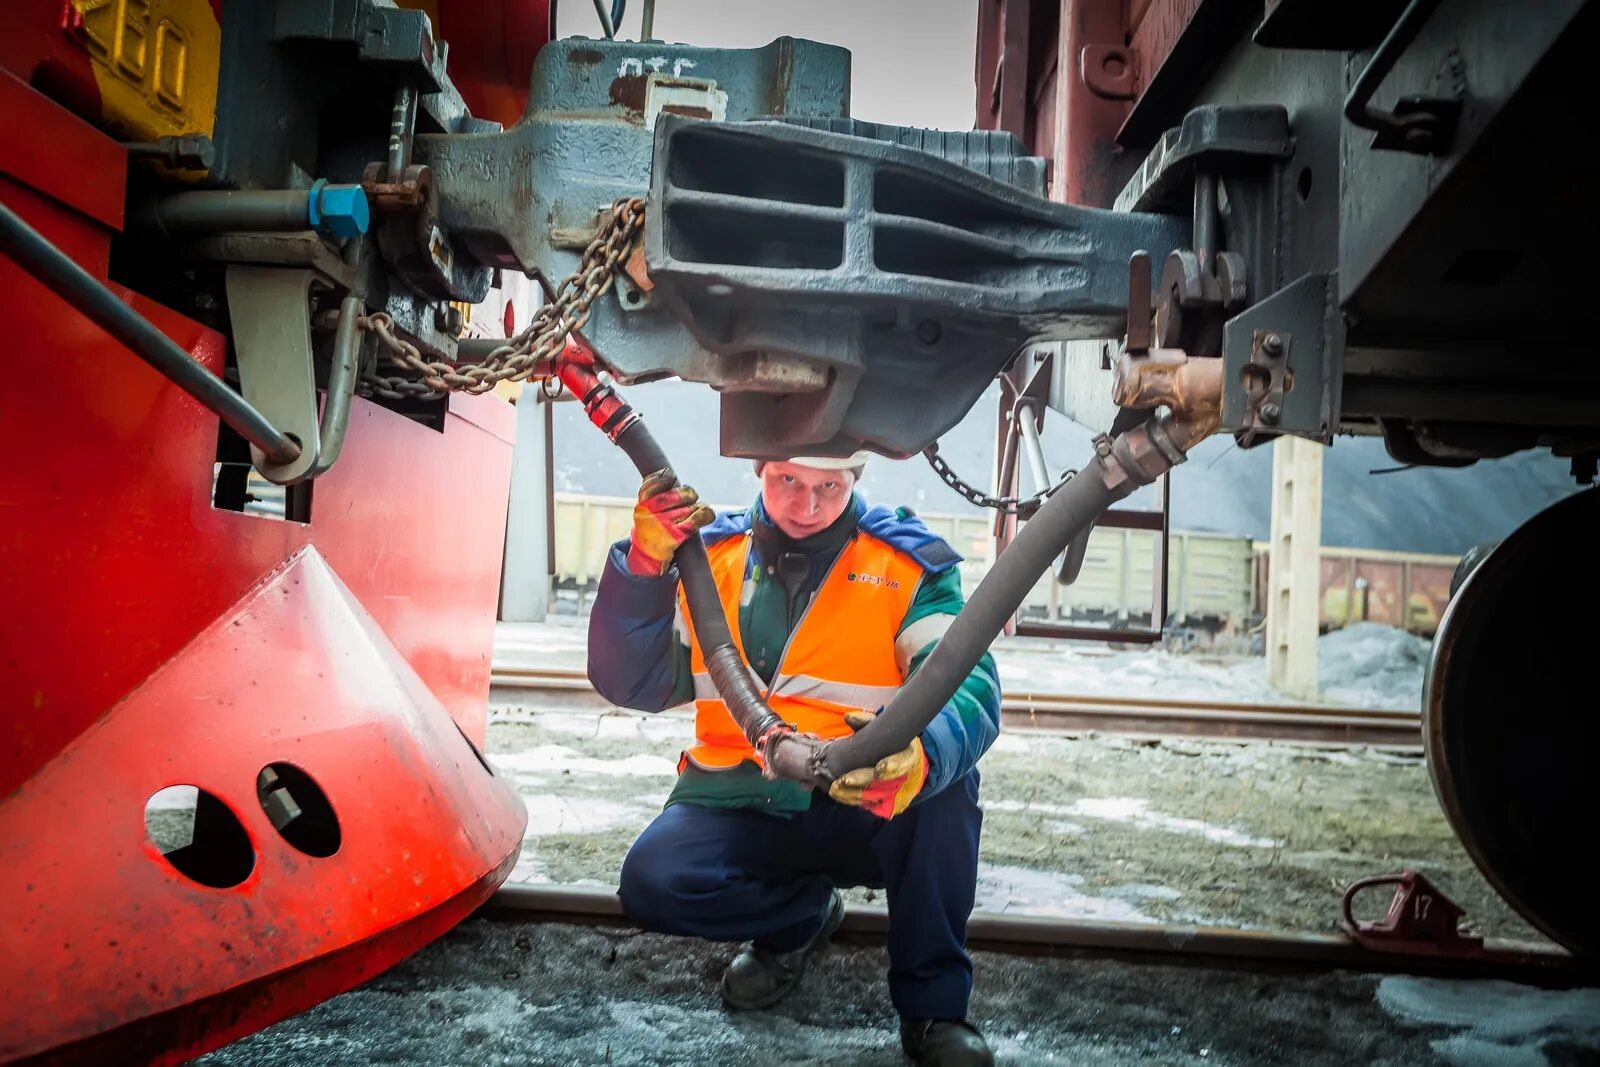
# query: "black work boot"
{"points": [[944, 1043], [758, 978]]}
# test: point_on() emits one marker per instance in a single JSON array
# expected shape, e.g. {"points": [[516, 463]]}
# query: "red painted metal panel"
{"points": [[1087, 162], [1156, 32], [82, 169], [113, 514], [1031, 80], [986, 73], [101, 931], [493, 44], [36, 47], [148, 639]]}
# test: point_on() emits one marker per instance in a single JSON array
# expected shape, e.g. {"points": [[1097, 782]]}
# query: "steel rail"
{"points": [[1153, 943], [1132, 715]]}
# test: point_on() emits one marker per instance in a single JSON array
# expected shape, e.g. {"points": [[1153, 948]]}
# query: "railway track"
{"points": [[1151, 943], [1135, 716]]}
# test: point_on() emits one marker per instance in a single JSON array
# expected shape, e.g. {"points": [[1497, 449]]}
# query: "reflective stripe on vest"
{"points": [[841, 657], [802, 685]]}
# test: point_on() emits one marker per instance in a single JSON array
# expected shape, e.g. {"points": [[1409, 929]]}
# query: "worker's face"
{"points": [[802, 501]]}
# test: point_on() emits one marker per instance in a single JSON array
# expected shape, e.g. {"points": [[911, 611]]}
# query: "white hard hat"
{"points": [[853, 462]]}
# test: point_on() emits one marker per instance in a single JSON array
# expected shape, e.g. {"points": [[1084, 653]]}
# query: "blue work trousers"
{"points": [[742, 875]]}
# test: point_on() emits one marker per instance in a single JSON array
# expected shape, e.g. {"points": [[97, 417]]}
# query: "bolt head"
{"points": [[344, 210], [1272, 345], [1271, 413], [190, 151]]}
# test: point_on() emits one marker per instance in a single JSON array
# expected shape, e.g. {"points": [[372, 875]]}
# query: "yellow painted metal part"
{"points": [[155, 62]]}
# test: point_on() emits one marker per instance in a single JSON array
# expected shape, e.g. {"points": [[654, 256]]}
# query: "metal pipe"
{"points": [[88, 296], [605, 19], [1357, 106], [224, 210], [647, 28], [1206, 239], [343, 370], [1034, 449], [402, 124]]}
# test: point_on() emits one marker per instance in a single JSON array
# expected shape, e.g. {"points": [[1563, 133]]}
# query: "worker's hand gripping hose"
{"points": [[1136, 458], [733, 679]]}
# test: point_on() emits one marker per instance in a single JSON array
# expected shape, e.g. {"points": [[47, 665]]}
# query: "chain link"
{"points": [[533, 352], [1009, 505]]}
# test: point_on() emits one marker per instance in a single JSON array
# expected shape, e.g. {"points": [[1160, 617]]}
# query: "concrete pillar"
{"points": [[525, 578], [1294, 566]]}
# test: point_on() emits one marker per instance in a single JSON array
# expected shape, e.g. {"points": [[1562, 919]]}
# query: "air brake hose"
{"points": [[1117, 471], [733, 681]]}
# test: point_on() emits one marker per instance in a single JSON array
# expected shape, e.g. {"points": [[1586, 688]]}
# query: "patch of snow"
{"points": [[559, 759], [1136, 811], [1012, 742], [552, 814], [1023, 891], [1498, 1023], [530, 870], [1142, 891]]}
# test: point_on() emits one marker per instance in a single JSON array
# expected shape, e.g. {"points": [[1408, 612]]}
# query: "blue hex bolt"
{"points": [[338, 210]]}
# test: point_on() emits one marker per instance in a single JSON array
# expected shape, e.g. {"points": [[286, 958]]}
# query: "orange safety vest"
{"points": [[840, 657]]}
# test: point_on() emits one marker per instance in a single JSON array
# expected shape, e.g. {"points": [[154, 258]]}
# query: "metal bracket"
{"points": [[1212, 136], [1281, 363], [270, 310], [1109, 71]]}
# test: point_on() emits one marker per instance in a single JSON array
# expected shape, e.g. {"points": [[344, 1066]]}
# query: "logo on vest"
{"points": [[872, 579]]}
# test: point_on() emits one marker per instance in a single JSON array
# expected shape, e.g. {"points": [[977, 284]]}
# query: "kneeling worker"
{"points": [[833, 604]]}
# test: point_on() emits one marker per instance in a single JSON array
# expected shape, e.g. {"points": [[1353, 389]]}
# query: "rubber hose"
{"points": [[726, 667], [1068, 511]]}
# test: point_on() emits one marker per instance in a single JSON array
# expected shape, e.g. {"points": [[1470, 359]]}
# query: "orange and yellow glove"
{"points": [[666, 516], [887, 788]]}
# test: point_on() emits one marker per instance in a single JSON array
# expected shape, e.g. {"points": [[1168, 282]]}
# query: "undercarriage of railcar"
{"points": [[242, 242]]}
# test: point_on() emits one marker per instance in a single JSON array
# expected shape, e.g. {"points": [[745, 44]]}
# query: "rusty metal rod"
{"points": [[1141, 942], [89, 297]]}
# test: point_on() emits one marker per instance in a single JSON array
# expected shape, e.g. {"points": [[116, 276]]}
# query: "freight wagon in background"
{"points": [[1216, 583]]}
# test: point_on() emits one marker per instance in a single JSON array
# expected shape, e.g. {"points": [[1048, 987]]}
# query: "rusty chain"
{"points": [[1009, 505], [533, 352]]}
